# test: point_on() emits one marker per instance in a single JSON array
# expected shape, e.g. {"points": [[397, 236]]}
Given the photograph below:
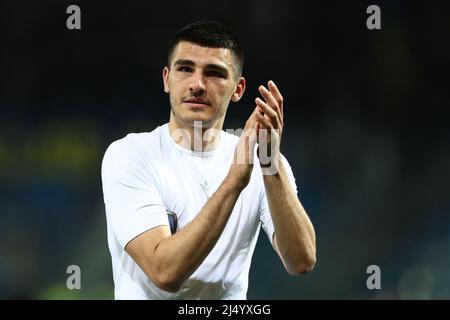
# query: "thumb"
{"points": [[254, 135]]}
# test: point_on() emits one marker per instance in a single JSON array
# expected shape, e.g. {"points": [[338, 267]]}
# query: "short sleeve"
{"points": [[264, 212], [132, 201]]}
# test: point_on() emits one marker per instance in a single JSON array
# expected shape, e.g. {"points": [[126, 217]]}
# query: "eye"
{"points": [[215, 73], [184, 69]]}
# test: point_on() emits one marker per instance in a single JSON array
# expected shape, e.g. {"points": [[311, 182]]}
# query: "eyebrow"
{"points": [[217, 68], [184, 62], [210, 66]]}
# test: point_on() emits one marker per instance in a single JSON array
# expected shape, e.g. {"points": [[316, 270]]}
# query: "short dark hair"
{"points": [[212, 35]]}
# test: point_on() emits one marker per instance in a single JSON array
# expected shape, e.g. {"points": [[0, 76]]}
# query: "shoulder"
{"points": [[133, 149], [230, 137], [136, 143]]}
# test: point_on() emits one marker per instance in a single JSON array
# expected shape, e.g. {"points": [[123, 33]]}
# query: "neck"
{"points": [[195, 136]]}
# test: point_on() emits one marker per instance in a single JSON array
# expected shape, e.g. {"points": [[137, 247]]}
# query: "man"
{"points": [[184, 203]]}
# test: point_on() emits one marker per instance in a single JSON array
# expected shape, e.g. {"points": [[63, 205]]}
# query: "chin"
{"points": [[189, 117], [204, 119]]}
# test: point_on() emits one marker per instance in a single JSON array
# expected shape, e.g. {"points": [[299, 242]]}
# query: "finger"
{"points": [[251, 119], [264, 122], [264, 115], [270, 99], [266, 108], [271, 113], [261, 112], [276, 94], [275, 91], [250, 139], [254, 135]]}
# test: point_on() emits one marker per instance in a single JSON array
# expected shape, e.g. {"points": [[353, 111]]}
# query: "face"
{"points": [[201, 81]]}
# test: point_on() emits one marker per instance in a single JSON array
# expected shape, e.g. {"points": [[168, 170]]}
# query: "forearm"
{"points": [[295, 236], [181, 254]]}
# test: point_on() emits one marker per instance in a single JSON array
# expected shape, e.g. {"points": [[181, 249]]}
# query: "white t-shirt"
{"points": [[144, 174]]}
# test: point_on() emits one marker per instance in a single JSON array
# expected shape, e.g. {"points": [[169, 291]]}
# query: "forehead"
{"points": [[202, 55]]}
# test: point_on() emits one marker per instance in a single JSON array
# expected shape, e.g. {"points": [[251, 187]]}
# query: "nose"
{"points": [[197, 85]]}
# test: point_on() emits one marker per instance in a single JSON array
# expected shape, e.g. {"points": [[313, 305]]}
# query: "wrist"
{"points": [[269, 161], [235, 183], [275, 172]]}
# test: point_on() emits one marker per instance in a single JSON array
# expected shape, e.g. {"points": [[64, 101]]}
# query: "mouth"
{"points": [[196, 103]]}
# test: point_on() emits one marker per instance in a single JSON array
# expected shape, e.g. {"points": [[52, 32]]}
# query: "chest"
{"points": [[185, 189]]}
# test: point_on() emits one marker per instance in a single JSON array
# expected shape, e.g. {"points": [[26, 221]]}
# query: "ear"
{"points": [[165, 75], [239, 91]]}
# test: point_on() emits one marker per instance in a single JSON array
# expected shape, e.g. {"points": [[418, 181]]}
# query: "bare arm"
{"points": [[170, 260], [294, 237]]}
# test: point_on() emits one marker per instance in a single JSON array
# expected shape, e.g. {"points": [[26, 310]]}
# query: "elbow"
{"points": [[304, 266], [307, 267], [163, 277], [167, 282]]}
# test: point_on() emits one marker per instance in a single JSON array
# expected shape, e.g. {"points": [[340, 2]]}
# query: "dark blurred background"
{"points": [[367, 136]]}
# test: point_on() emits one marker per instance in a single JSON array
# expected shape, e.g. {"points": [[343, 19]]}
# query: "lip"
{"points": [[196, 103]]}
